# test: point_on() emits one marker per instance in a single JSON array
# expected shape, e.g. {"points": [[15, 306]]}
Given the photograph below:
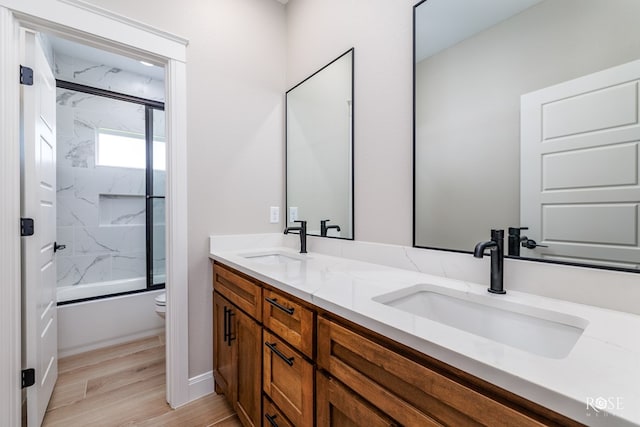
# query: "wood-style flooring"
{"points": [[124, 385]]}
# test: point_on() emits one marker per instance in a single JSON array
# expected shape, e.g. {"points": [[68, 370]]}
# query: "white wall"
{"points": [[235, 82], [381, 33]]}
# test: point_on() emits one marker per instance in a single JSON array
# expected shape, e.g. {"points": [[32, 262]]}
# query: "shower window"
{"points": [[111, 174], [121, 149]]}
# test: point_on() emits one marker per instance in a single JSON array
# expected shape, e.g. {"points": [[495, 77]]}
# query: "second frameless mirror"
{"points": [[320, 150], [526, 116]]}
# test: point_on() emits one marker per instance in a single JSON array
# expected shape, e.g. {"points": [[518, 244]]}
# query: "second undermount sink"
{"points": [[543, 332], [272, 258]]}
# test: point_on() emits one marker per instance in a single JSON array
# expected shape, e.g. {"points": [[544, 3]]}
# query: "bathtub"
{"points": [[90, 290], [89, 325]]}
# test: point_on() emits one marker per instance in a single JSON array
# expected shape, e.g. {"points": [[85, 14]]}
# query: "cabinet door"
{"points": [[223, 352], [338, 406], [246, 336]]}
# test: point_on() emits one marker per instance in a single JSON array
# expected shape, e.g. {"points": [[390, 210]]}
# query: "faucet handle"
{"points": [[532, 244], [516, 230], [497, 234]]}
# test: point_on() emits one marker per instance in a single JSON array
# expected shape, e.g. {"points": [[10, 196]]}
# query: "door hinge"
{"points": [[28, 377], [26, 76], [26, 226]]}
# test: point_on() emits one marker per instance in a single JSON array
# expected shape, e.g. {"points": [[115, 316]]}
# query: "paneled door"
{"points": [[38, 178], [580, 187]]}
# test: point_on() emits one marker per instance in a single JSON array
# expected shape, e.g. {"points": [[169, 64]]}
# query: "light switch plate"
{"points": [[293, 213], [274, 215]]}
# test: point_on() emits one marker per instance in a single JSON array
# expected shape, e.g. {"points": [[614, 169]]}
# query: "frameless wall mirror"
{"points": [[320, 150], [526, 117]]}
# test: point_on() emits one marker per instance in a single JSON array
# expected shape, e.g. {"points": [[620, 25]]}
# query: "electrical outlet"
{"points": [[274, 215], [293, 213]]}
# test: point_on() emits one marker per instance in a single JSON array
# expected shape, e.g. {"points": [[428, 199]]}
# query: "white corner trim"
{"points": [[10, 292], [177, 316], [201, 385], [82, 4]]}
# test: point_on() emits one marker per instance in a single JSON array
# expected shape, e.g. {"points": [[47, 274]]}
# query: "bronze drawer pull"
{"points": [[228, 334], [274, 302], [226, 324], [271, 419], [272, 347]]}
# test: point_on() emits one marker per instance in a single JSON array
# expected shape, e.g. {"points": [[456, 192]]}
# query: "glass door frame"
{"points": [[150, 195]]}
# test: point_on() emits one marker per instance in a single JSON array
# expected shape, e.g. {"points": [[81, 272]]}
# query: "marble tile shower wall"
{"points": [[106, 77], [101, 210]]}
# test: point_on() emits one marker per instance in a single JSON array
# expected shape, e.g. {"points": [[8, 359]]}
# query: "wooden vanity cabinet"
{"points": [[413, 389], [317, 369], [237, 345]]}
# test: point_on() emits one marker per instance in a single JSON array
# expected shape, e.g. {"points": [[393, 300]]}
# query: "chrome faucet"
{"points": [[496, 245], [324, 228], [302, 230]]}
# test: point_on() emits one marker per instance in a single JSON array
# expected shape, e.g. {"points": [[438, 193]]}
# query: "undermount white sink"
{"points": [[273, 258], [538, 331]]}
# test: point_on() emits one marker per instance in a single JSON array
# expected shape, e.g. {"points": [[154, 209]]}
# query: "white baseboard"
{"points": [[201, 385]]}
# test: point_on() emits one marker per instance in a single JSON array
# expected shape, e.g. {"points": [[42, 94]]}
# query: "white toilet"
{"points": [[161, 304]]}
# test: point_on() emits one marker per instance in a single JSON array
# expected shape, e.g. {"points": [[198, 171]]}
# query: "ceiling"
{"points": [[443, 23]]}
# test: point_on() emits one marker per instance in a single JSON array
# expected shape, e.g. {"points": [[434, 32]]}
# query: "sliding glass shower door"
{"points": [[111, 173]]}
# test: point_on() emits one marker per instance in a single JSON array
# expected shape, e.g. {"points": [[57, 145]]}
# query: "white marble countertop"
{"points": [[597, 383]]}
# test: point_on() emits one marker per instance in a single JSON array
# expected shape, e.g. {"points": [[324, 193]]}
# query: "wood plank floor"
{"points": [[124, 385]]}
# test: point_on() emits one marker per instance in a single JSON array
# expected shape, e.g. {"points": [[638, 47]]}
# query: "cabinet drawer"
{"points": [[242, 292], [272, 416], [291, 321], [405, 390], [288, 380], [339, 406]]}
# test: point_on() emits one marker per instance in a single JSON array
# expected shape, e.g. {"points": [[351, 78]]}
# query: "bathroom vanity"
{"points": [[360, 376], [303, 339]]}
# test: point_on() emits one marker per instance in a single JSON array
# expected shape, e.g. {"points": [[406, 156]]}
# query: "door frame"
{"points": [[100, 28]]}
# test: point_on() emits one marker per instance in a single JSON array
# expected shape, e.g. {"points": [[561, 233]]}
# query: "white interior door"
{"points": [[38, 173], [580, 186]]}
